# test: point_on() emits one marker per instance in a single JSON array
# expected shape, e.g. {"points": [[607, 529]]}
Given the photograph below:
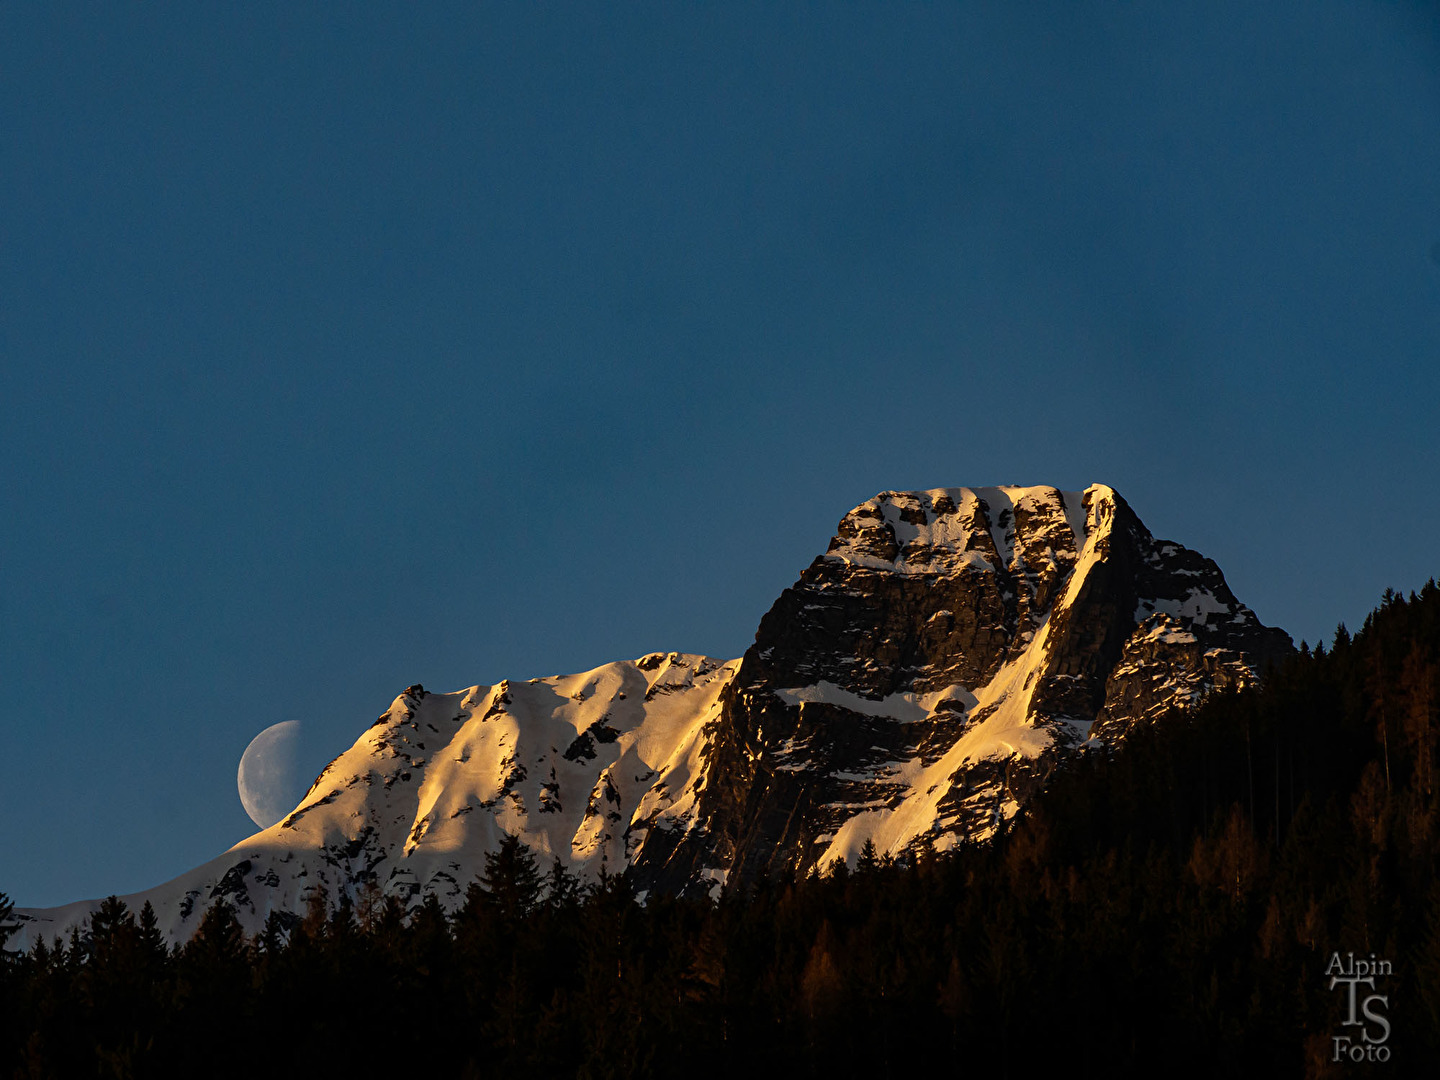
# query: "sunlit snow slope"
{"points": [[578, 766]]}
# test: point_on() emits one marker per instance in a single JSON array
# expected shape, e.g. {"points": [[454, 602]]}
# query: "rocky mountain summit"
{"points": [[928, 672], [915, 686]]}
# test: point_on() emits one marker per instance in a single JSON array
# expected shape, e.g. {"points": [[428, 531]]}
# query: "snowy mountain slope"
{"points": [[578, 766], [916, 685]]}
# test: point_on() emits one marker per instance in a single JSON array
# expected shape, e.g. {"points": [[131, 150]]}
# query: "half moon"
{"points": [[267, 775]]}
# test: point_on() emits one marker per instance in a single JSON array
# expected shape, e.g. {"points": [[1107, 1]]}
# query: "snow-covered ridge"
{"points": [[578, 766]]}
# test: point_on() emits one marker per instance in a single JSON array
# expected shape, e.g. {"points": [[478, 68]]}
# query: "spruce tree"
{"points": [[508, 888]]}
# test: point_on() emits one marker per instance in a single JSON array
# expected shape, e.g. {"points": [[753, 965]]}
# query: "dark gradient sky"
{"points": [[344, 351]]}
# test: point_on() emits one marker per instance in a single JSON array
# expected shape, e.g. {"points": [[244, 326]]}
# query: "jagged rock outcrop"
{"points": [[919, 682], [950, 649]]}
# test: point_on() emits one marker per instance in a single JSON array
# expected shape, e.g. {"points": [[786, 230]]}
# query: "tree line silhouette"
{"points": [[1172, 902]]}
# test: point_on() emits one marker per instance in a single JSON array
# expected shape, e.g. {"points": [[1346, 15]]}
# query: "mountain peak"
{"points": [[915, 686], [943, 530], [990, 633]]}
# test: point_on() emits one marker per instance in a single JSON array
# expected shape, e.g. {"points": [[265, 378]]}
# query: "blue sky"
{"points": [[343, 351]]}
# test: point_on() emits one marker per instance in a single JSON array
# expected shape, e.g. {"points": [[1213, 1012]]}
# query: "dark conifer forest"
{"points": [[1166, 908]]}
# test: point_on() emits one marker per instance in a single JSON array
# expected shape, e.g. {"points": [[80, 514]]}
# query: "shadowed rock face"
{"points": [[1035, 617], [918, 684]]}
